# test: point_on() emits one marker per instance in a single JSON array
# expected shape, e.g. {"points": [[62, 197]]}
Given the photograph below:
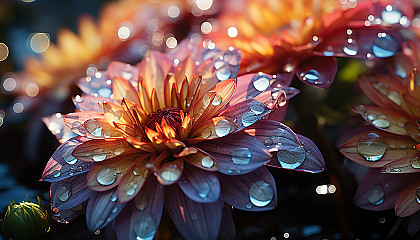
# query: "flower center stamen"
{"points": [[172, 117]]}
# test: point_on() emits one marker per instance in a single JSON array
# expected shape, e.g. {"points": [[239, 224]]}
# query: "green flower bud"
{"points": [[25, 220]]}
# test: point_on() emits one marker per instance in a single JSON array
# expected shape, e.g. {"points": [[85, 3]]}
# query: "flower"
{"points": [[176, 131], [391, 148], [304, 37], [25, 220]]}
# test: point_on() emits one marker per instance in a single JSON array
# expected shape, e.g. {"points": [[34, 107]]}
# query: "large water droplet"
{"points": [[207, 162], [145, 227], [241, 156], [371, 146], [99, 157], [384, 46], [63, 191], [376, 194], [232, 56], [291, 159], [223, 73], [350, 47], [94, 127], [311, 76], [261, 193], [170, 173], [118, 150], [130, 191], [391, 15], [261, 81], [381, 123], [203, 190], [222, 128], [249, 118], [106, 176], [257, 107]]}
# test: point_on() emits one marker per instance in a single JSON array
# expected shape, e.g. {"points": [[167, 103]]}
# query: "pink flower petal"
{"points": [[63, 165], [194, 220], [89, 103], [254, 191], [200, 185], [96, 85], [102, 208], [70, 192], [317, 71], [314, 162], [123, 70], [237, 153], [122, 88], [56, 125]]}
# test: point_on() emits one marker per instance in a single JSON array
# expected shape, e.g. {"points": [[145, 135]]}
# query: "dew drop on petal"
{"points": [[69, 158], [384, 46], [222, 128], [145, 227], [415, 162], [63, 191], [248, 205], [114, 197], [106, 176], [170, 173], [257, 107], [261, 193], [232, 56], [391, 15], [241, 156], [376, 194], [56, 173], [105, 92], [371, 146], [217, 100], [203, 190], [261, 81], [99, 157], [130, 191], [311, 76], [381, 123], [249, 118], [291, 159], [350, 47], [118, 150], [114, 210], [207, 162], [223, 73], [94, 127]]}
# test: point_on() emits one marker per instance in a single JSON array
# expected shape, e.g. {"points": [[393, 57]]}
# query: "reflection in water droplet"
{"points": [[249, 118], [261, 81], [118, 150], [350, 47], [69, 158], [415, 162], [257, 107], [127, 75], [248, 205], [203, 190], [145, 227], [114, 209], [384, 46], [261, 193], [232, 57], [381, 123], [217, 100], [106, 176], [241, 156], [376, 194], [114, 197], [371, 146], [223, 73], [94, 127], [130, 191], [390, 15], [291, 159], [170, 173], [63, 191], [104, 92], [222, 128], [56, 173], [99, 157], [311, 76], [207, 162]]}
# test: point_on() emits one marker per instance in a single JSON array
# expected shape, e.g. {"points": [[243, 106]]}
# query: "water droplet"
{"points": [[249, 118], [99, 157], [97, 232], [106, 176], [232, 57], [395, 97], [257, 107], [223, 73], [415, 162], [391, 15], [207, 162], [381, 123], [204, 190], [145, 227], [137, 171], [222, 128], [114, 209], [371, 146], [118, 150], [63, 191], [291, 159], [261, 81], [248, 205], [350, 47], [241, 156], [104, 92], [114, 197], [94, 127], [56, 173], [384, 46], [418, 195], [311, 76], [261, 193], [376, 194], [127, 75], [170, 173], [69, 158], [217, 100]]}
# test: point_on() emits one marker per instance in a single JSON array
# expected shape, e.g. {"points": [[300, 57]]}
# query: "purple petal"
{"points": [[237, 153], [96, 85], [317, 71], [199, 185], [314, 162], [379, 191], [141, 217], [63, 165], [254, 191], [68, 215], [89, 103], [56, 125], [245, 113], [194, 220], [70, 192], [249, 86], [227, 227], [414, 224], [102, 208]]}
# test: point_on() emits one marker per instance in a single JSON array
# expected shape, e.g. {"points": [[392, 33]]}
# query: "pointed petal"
{"points": [[194, 220], [237, 153], [63, 164], [254, 191], [406, 164], [375, 143], [122, 88], [314, 162], [107, 174], [75, 122], [123, 70], [69, 193], [115, 113], [102, 208], [200, 185], [379, 191], [317, 71], [97, 150], [407, 202], [56, 125], [250, 86]]}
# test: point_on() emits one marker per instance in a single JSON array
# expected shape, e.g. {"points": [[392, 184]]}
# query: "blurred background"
{"points": [[310, 206]]}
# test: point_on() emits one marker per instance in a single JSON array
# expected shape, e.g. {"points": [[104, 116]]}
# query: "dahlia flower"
{"points": [[176, 131], [392, 147], [304, 36]]}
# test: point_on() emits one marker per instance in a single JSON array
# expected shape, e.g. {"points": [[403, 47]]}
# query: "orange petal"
{"points": [[114, 113], [167, 130], [133, 179], [407, 202], [145, 99], [100, 128], [98, 150], [375, 145], [185, 128], [122, 88], [202, 160], [406, 164], [108, 174], [155, 101], [145, 146], [169, 81], [137, 114]]}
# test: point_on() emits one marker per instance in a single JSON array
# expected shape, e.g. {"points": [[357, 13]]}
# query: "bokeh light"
{"points": [[173, 11], [9, 84], [204, 4], [18, 107], [232, 32], [4, 51], [39, 42]]}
